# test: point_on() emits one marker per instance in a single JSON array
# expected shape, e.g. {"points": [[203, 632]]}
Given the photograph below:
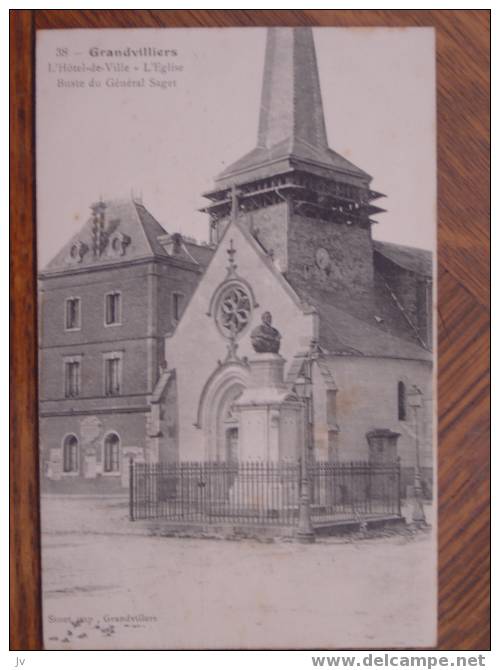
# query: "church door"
{"points": [[227, 429], [232, 445], [231, 455]]}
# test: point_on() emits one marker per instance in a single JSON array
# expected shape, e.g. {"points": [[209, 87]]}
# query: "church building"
{"points": [[292, 222], [291, 304]]}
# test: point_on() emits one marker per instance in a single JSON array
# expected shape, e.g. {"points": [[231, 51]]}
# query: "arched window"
{"points": [[70, 454], [401, 401], [112, 453]]}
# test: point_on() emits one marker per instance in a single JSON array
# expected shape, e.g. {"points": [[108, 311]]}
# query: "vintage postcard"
{"points": [[236, 253]]}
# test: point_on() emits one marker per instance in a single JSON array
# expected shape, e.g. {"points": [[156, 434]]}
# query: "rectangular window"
{"points": [[72, 318], [72, 378], [113, 309], [401, 401], [177, 305], [331, 407], [112, 374]]}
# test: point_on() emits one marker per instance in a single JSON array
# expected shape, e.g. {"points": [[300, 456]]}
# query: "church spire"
{"points": [[292, 133], [291, 160], [291, 106]]}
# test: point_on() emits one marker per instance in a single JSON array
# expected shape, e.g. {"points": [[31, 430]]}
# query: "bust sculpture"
{"points": [[265, 338]]}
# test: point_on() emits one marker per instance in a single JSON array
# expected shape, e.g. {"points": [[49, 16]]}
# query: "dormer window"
{"points": [[113, 309], [77, 251], [117, 244], [72, 314]]}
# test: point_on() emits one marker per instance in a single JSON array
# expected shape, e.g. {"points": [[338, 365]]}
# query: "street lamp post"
{"points": [[414, 397], [303, 387]]}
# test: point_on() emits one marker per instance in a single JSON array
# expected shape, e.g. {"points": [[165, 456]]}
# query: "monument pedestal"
{"points": [[270, 416]]}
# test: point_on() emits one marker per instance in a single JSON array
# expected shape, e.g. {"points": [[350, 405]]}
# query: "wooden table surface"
{"points": [[463, 78]]}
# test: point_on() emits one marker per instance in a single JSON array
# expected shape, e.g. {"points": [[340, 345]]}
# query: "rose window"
{"points": [[233, 311]]}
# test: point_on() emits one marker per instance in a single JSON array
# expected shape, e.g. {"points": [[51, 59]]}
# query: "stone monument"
{"points": [[270, 415], [265, 338]]}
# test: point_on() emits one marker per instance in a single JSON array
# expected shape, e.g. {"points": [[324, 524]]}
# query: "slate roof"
{"points": [[347, 319], [145, 236], [125, 216], [409, 258], [152, 229], [347, 323], [202, 253], [293, 149]]}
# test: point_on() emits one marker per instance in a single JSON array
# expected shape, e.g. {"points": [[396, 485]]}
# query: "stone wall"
{"points": [[146, 316], [91, 287], [367, 399], [269, 226], [349, 247], [130, 427], [172, 279]]}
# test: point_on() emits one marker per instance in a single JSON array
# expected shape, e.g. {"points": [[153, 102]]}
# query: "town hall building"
{"points": [[105, 303], [292, 321]]}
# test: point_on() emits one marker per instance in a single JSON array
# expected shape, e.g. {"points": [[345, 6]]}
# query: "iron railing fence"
{"points": [[261, 492], [250, 492], [354, 489]]}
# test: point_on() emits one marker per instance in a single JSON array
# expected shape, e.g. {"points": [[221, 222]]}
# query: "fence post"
{"points": [[398, 466], [131, 488], [305, 532]]}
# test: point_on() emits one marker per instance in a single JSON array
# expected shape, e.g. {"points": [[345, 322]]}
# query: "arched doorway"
{"points": [[216, 416], [227, 429]]}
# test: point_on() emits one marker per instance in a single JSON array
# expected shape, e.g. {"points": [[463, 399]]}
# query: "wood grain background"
{"points": [[463, 77]]}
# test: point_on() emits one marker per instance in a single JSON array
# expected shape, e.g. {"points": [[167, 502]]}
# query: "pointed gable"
{"points": [[254, 268]]}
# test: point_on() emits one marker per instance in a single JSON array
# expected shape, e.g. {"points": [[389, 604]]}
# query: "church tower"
{"points": [[307, 206]]}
